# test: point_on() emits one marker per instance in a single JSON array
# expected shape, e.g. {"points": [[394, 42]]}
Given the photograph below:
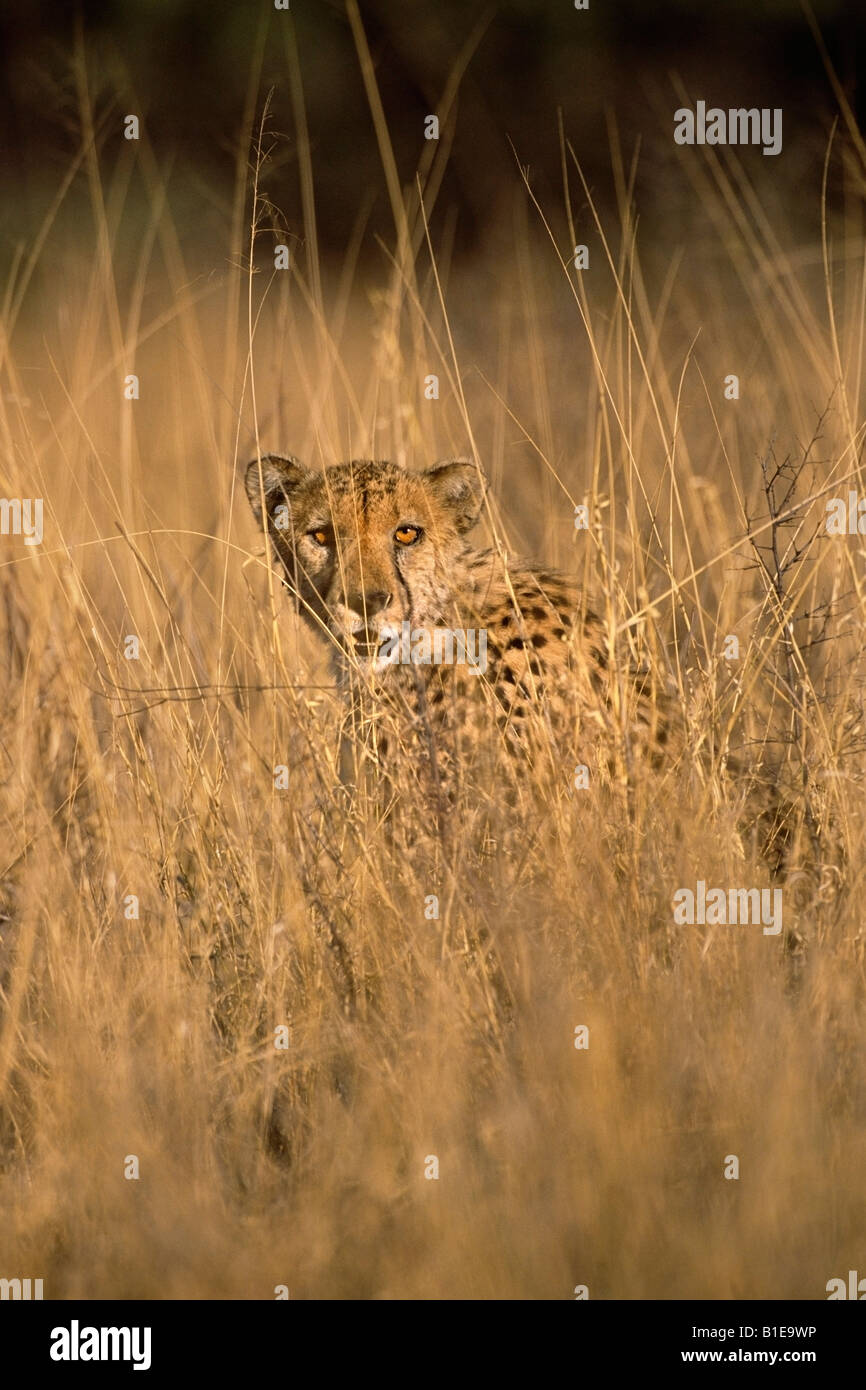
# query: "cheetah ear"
{"points": [[277, 480], [460, 486]]}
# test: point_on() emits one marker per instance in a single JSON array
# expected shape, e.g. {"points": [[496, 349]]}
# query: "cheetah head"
{"points": [[365, 546]]}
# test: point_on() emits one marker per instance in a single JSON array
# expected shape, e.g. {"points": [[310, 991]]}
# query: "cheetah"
{"points": [[370, 552]]}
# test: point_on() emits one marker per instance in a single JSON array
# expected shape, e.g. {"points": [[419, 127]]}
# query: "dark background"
{"points": [[186, 67]]}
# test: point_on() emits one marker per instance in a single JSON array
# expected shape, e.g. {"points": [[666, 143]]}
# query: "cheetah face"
{"points": [[365, 546]]}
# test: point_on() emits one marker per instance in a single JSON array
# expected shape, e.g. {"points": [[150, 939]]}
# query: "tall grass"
{"points": [[151, 780]]}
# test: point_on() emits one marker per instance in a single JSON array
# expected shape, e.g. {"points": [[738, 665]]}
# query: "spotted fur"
{"points": [[340, 539]]}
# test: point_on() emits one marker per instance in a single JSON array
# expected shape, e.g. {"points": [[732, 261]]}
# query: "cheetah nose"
{"points": [[368, 604]]}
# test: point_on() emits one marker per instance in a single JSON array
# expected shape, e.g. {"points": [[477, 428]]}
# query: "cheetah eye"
{"points": [[320, 535], [408, 535]]}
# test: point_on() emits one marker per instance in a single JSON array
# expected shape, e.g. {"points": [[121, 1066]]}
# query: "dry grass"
{"points": [[412, 1037]]}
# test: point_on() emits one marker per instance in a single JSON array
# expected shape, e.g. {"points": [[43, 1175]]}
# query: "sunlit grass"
{"points": [[146, 786]]}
